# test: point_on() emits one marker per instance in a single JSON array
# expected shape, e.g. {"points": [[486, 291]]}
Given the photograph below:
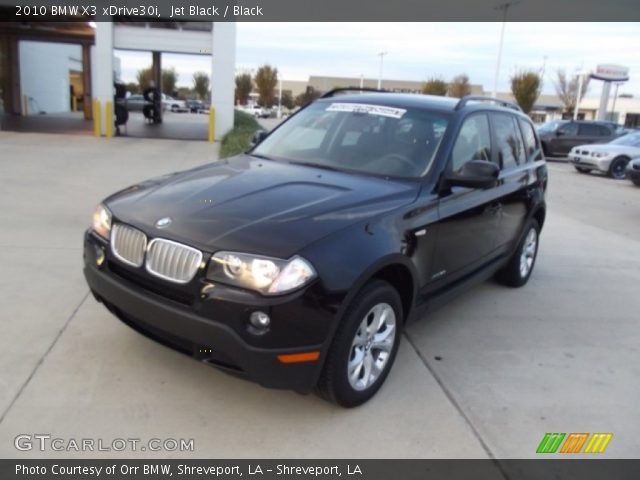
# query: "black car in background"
{"points": [[560, 136], [195, 106], [299, 263]]}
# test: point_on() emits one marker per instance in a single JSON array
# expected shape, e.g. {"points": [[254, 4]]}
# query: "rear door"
{"points": [[515, 174], [592, 133]]}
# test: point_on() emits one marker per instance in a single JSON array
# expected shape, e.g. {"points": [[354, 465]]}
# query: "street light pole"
{"points": [[579, 96], [505, 8], [381, 55]]}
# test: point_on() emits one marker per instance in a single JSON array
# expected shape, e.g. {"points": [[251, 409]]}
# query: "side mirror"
{"points": [[257, 138], [475, 174]]}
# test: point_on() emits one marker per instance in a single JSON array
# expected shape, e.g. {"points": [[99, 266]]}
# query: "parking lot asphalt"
{"points": [[485, 376]]}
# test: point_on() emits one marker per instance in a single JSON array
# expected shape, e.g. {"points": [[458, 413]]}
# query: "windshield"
{"points": [[372, 139], [630, 139], [549, 126]]}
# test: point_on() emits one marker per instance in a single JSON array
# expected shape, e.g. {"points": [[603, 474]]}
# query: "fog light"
{"points": [[260, 320], [99, 256]]}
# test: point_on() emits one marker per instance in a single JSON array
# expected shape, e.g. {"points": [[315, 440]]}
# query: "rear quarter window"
{"points": [[508, 140]]}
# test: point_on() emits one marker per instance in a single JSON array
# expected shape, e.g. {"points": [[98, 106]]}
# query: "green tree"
{"points": [[459, 86], [133, 87], [525, 87], [144, 78], [266, 80], [435, 86], [307, 97], [169, 80], [201, 85], [287, 100], [244, 85], [567, 90]]}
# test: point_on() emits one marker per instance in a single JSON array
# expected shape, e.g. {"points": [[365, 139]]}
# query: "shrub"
{"points": [[237, 140]]}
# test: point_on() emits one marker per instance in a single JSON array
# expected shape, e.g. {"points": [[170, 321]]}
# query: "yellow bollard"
{"points": [[108, 118], [74, 104], [96, 117], [212, 124]]}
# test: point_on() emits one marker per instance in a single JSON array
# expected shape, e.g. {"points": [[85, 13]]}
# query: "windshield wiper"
{"points": [[319, 165], [258, 155]]}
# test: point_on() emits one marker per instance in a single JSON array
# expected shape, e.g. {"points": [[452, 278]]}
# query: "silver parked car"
{"points": [[611, 158]]}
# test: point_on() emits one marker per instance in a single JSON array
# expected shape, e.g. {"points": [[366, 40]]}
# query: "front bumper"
{"points": [[206, 332], [593, 163]]}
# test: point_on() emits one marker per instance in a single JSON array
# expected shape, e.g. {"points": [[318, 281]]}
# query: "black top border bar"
{"points": [[320, 11]]}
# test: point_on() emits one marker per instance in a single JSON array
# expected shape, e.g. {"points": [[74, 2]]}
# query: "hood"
{"points": [[256, 206], [610, 148]]}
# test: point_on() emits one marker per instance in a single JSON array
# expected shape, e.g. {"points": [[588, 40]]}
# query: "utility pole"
{"points": [[581, 75], [505, 8], [381, 55]]}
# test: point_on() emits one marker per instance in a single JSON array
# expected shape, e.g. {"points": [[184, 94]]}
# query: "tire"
{"points": [[618, 168], [517, 272], [583, 170], [376, 301], [636, 181]]}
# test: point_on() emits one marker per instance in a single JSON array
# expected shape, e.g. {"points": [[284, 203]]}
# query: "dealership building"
{"points": [[53, 68]]}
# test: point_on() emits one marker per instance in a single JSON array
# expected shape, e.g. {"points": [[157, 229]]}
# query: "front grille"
{"points": [[172, 261], [128, 244]]}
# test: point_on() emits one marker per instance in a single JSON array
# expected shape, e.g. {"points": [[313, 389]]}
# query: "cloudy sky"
{"points": [[417, 51]]}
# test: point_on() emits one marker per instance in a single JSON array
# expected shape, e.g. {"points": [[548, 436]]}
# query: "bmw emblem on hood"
{"points": [[163, 222]]}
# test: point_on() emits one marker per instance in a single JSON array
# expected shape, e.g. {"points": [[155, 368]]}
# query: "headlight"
{"points": [[269, 276], [599, 154], [102, 221]]}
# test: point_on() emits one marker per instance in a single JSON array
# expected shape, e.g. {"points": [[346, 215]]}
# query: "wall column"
{"points": [[102, 77], [223, 65]]}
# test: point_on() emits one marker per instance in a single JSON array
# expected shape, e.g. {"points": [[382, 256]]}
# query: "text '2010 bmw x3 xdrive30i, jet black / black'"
{"points": [[298, 263]]}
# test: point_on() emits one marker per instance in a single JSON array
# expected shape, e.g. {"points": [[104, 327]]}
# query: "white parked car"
{"points": [[611, 158], [173, 104], [257, 111]]}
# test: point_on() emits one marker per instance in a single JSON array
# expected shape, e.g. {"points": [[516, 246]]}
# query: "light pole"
{"points": [[381, 55], [505, 8], [580, 75], [280, 97]]}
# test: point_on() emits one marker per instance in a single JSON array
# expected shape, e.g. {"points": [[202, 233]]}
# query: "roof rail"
{"points": [[479, 98], [332, 92]]}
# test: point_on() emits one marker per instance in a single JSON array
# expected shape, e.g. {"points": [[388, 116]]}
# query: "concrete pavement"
{"points": [[560, 354]]}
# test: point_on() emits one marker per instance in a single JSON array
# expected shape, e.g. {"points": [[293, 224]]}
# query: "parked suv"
{"points": [[559, 137], [299, 263]]}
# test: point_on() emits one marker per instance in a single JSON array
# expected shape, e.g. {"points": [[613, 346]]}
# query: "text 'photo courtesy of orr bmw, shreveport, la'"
{"points": [[298, 263]]}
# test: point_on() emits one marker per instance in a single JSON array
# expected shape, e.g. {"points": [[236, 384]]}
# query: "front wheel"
{"points": [[517, 272], [618, 168], [364, 347]]}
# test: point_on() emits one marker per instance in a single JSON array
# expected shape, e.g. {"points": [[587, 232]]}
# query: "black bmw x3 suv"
{"points": [[298, 263]]}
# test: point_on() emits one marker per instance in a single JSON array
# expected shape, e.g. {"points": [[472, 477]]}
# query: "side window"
{"points": [[530, 141], [589, 130], [569, 129], [604, 131], [508, 140], [473, 142]]}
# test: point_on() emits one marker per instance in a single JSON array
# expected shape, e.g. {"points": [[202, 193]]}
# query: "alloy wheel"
{"points": [[372, 346], [528, 253]]}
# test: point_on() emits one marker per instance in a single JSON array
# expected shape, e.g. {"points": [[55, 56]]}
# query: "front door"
{"points": [[468, 218]]}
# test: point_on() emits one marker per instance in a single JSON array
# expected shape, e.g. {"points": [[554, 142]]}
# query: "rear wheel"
{"points": [[636, 181], [583, 170], [618, 168], [364, 347], [517, 272]]}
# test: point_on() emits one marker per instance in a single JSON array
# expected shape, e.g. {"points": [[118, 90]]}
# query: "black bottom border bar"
{"points": [[567, 468]]}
